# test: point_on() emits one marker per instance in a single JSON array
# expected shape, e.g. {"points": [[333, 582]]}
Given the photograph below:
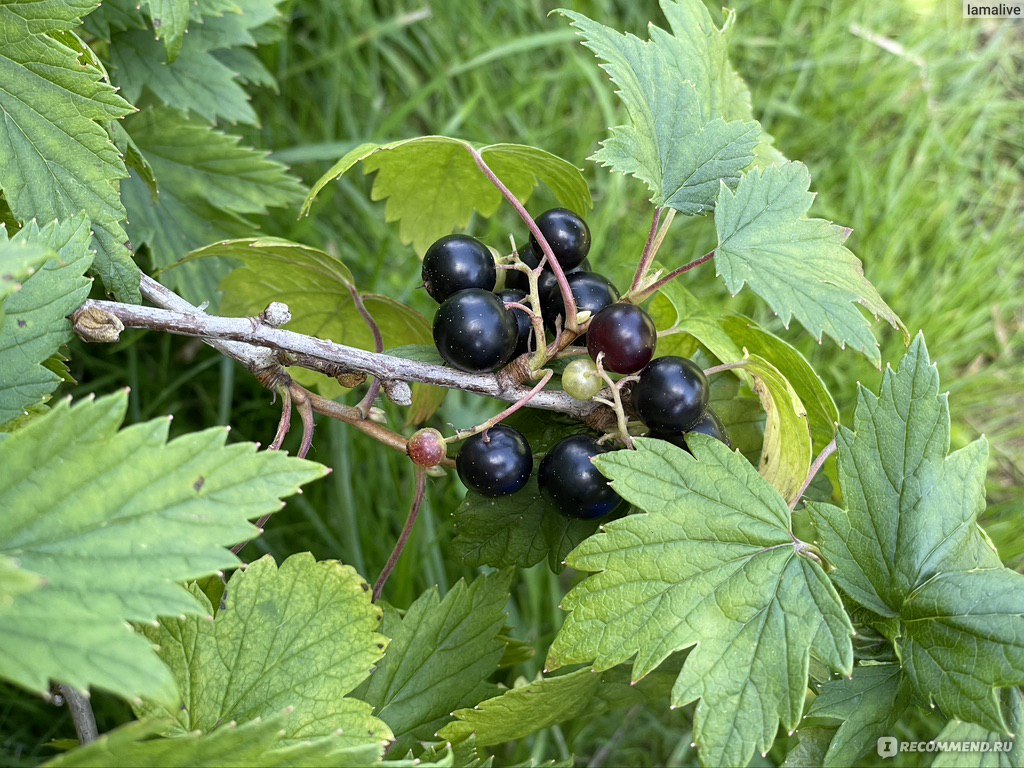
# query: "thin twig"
{"points": [[819, 462], [725, 367], [664, 280], [81, 714], [553, 264], [649, 252], [378, 345], [285, 424], [271, 347], [305, 409], [495, 420], [403, 539]]}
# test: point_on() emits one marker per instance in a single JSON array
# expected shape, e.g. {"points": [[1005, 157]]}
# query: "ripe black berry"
{"points": [[569, 479], [625, 334], [524, 325], [566, 233], [474, 332], [455, 263], [671, 395], [709, 425], [497, 462], [591, 291]]}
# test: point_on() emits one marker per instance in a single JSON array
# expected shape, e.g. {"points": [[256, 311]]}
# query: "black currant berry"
{"points": [[566, 233], [455, 263], [523, 323], [709, 425], [671, 395], [625, 334], [518, 280], [570, 481], [497, 462], [474, 331], [591, 291]]}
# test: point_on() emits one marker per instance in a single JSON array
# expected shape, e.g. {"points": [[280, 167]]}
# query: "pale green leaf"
{"points": [[259, 744], [534, 706], [15, 580], [677, 90], [786, 453], [1003, 753], [170, 18], [441, 653], [678, 310], [964, 637], [861, 708], [797, 264], [19, 259], [273, 647], [113, 520], [33, 321], [711, 562], [56, 157], [433, 186]]}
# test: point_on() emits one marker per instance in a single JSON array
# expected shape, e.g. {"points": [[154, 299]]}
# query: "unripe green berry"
{"points": [[581, 380]]}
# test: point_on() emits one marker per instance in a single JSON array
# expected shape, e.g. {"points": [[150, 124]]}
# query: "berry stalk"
{"points": [[403, 539]]}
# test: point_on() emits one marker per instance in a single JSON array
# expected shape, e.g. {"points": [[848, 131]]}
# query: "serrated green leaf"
{"points": [[440, 655], [796, 264], [965, 638], [33, 321], [196, 82], [909, 548], [113, 520], [273, 647], [533, 706], [170, 19], [861, 708], [19, 259], [15, 580], [822, 413], [258, 744], [56, 157], [786, 453], [713, 563], [677, 90], [1010, 753], [433, 186], [314, 285]]}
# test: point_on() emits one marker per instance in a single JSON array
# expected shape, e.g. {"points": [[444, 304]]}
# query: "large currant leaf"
{"points": [[1008, 754], [33, 320], [799, 265], [273, 647], [113, 520], [259, 744], [683, 139], [56, 156], [433, 186], [441, 653], [908, 547], [712, 563]]}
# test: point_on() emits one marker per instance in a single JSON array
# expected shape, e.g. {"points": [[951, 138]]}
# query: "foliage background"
{"points": [[918, 147]]}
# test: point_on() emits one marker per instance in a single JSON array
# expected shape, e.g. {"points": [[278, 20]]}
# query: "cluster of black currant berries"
{"points": [[475, 331]]}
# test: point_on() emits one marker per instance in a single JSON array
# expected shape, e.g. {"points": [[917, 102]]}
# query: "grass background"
{"points": [[910, 118]]}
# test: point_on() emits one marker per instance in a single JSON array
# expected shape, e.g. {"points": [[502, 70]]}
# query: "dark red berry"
{"points": [[497, 462], [625, 334], [671, 395], [455, 263]]}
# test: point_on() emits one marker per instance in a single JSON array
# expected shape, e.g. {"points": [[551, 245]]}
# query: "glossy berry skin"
{"points": [[516, 280], [581, 380], [709, 425], [455, 263], [474, 332], [571, 482], [523, 324], [498, 464], [625, 334], [671, 395], [427, 448], [591, 291], [566, 233]]}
